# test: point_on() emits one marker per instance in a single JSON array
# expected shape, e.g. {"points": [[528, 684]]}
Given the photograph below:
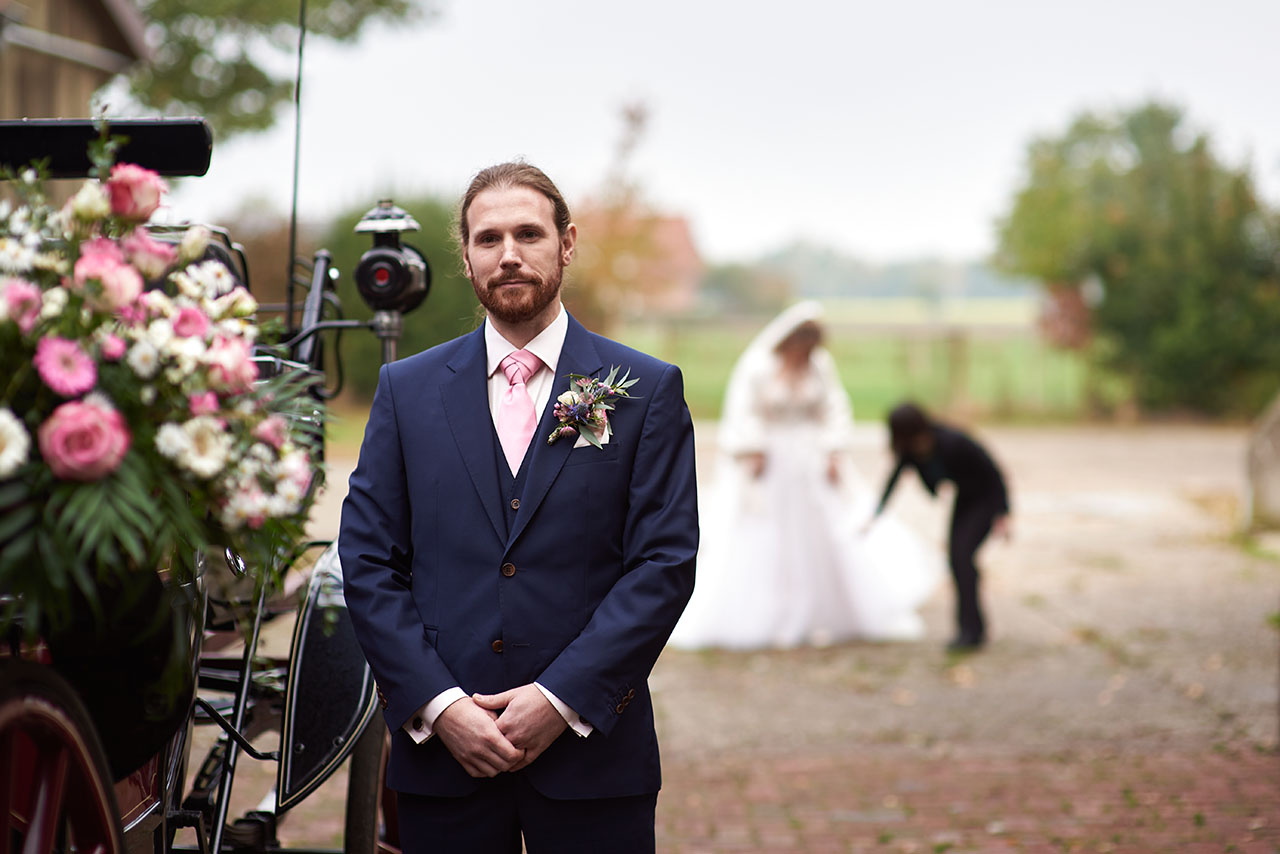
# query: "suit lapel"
{"points": [[465, 397], [578, 356]]}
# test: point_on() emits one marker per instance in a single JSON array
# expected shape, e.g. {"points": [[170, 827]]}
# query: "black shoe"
{"points": [[966, 643]]}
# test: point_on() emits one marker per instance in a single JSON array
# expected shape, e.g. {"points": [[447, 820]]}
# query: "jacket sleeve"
{"points": [[376, 552], [618, 647], [890, 484]]}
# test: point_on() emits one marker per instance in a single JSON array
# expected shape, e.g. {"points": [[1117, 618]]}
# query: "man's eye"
{"points": [[530, 234], [486, 239]]}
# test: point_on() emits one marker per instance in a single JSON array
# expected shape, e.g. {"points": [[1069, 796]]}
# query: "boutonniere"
{"points": [[584, 409]]}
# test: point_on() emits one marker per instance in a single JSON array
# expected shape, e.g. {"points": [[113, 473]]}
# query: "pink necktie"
{"points": [[516, 419]]}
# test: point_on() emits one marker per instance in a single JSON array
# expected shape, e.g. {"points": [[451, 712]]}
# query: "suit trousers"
{"points": [[506, 808], [970, 525]]}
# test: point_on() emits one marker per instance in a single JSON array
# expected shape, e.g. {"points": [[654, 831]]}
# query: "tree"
{"points": [[1132, 214], [212, 58]]}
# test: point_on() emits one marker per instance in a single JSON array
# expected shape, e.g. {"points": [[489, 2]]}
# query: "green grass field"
{"points": [[1008, 374], [981, 358]]}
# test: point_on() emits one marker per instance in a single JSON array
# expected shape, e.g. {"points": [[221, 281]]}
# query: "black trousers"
{"points": [[970, 524], [506, 808]]}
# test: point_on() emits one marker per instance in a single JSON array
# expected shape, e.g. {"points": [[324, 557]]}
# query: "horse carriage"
{"points": [[95, 756]]}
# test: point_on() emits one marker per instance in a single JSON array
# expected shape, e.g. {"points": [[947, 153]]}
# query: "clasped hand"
{"points": [[492, 733]]}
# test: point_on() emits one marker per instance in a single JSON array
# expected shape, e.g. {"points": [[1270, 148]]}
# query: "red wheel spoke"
{"points": [[48, 785], [55, 790], [8, 750]]}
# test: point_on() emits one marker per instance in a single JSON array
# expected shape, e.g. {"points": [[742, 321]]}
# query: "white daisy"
{"points": [[144, 359], [210, 447], [14, 256]]}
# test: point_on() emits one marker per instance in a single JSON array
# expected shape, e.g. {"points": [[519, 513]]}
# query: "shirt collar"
{"points": [[546, 345]]}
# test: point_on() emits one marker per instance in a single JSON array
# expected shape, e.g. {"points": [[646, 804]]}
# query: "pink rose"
{"points": [[64, 366], [102, 261], [22, 301], [133, 314], [230, 365], [83, 441], [273, 430], [151, 257], [203, 403], [101, 247], [191, 322], [135, 192], [112, 348]]}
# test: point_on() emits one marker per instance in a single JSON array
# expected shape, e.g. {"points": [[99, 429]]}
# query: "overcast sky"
{"points": [[888, 129]]}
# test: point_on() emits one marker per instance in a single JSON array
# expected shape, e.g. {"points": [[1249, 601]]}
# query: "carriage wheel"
{"points": [[371, 826], [55, 789]]}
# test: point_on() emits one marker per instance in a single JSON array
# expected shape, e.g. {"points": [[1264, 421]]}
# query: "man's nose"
{"points": [[510, 255]]}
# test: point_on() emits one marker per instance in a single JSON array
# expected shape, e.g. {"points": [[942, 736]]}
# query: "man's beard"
{"points": [[518, 305]]}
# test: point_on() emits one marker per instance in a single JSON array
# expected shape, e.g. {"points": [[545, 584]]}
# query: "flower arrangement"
{"points": [[585, 407], [134, 432]]}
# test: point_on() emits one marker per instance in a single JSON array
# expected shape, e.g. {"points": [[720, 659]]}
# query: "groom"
{"points": [[511, 594]]}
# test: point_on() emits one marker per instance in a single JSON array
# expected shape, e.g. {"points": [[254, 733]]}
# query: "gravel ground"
{"points": [[1127, 700]]}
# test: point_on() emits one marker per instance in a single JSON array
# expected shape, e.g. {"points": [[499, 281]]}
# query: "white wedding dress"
{"points": [[782, 561]]}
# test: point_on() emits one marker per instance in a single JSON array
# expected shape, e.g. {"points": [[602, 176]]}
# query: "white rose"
{"points": [[91, 203], [15, 443], [172, 440], [55, 300], [194, 243], [160, 332]]}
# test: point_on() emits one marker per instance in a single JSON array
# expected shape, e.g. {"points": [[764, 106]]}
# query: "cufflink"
{"points": [[417, 724]]}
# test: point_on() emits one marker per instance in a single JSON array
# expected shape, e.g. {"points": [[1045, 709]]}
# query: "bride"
{"points": [[782, 561]]}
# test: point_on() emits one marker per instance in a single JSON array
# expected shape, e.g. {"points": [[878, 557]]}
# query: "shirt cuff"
{"points": [[575, 722], [422, 723]]}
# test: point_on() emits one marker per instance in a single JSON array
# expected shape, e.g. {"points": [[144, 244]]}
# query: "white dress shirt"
{"points": [[546, 346]]}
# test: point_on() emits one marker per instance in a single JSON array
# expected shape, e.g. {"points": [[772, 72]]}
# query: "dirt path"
{"points": [[1127, 702]]}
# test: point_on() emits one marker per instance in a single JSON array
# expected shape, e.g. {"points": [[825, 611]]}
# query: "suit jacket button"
{"points": [[620, 708], [631, 695], [496, 646], [515, 504], [508, 569]]}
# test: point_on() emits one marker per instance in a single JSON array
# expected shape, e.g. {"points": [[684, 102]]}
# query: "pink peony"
{"points": [[22, 303], [102, 261], [135, 192], [64, 366], [112, 348], [151, 257], [203, 403], [230, 365], [191, 322], [273, 430], [83, 441]]}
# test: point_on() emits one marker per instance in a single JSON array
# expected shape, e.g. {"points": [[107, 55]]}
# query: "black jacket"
{"points": [[961, 460]]}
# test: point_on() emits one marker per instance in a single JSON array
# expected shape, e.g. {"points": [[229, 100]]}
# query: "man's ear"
{"points": [[568, 241], [466, 263]]}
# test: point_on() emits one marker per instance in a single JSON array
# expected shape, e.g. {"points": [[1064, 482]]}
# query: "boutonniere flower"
{"points": [[584, 409]]}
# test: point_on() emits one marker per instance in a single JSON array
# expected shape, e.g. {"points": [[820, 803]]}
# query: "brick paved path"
{"points": [[1127, 703], [854, 800]]}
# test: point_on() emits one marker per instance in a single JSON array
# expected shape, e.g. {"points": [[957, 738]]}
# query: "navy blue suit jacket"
{"points": [[603, 548]]}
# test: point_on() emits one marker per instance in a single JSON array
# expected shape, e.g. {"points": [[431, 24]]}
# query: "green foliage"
{"points": [[1177, 247], [210, 57], [449, 310]]}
